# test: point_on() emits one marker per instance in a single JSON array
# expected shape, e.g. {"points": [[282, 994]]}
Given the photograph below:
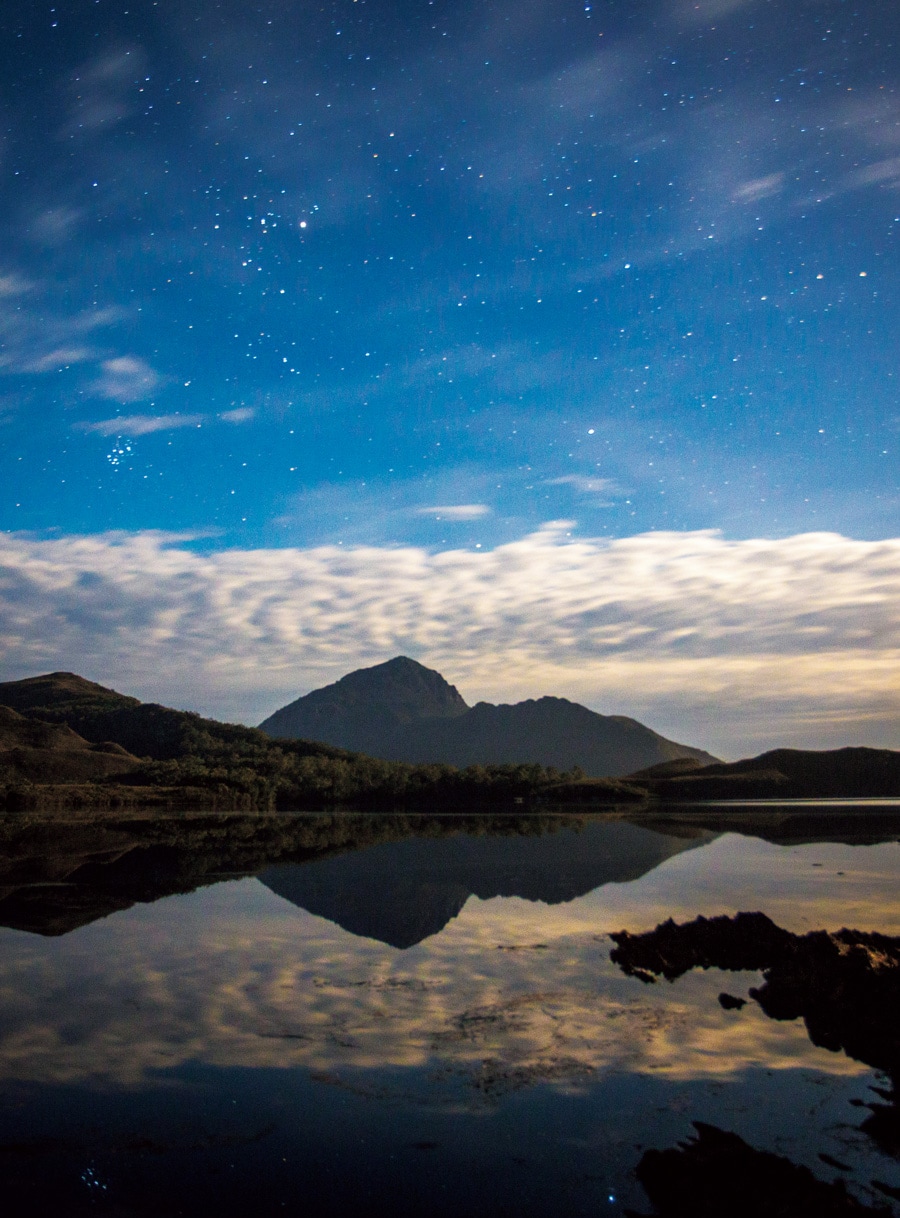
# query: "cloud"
{"points": [[759, 188], [726, 643], [35, 338], [880, 173], [60, 357], [141, 424], [584, 485], [700, 11], [126, 379], [100, 91], [457, 511], [145, 424], [13, 285], [54, 225], [243, 414]]}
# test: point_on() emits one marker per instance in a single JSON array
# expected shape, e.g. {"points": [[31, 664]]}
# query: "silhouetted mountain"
{"points": [[190, 761], [784, 774], [402, 892], [402, 711], [53, 690], [366, 706], [552, 731], [143, 728]]}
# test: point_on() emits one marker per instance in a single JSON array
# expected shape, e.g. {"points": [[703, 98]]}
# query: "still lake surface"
{"points": [[426, 1023]]}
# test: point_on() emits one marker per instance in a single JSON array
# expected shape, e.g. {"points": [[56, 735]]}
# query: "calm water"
{"points": [[428, 1022]]}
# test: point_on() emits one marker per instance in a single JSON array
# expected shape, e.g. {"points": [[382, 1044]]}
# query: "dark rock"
{"points": [[718, 1175]]}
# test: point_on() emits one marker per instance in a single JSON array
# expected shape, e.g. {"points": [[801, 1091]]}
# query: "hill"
{"points": [[786, 774], [402, 711], [190, 761], [33, 751], [780, 774]]}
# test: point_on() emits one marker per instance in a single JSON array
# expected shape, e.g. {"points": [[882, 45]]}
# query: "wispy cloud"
{"points": [[584, 484], [13, 285], [126, 379], [759, 188], [243, 414], [141, 424], [732, 644], [455, 511], [100, 92], [36, 339], [700, 11], [59, 358], [145, 424]]}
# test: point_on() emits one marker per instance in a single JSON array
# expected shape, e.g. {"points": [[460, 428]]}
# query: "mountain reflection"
{"points": [[403, 892], [398, 879]]}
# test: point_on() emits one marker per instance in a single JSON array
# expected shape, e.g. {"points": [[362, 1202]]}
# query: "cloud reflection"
{"points": [[512, 993]]}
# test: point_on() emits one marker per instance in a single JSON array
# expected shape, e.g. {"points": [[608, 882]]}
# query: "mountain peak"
{"points": [[359, 706], [405, 685]]}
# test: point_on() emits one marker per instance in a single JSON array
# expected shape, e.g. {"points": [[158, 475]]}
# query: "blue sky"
{"points": [[433, 274]]}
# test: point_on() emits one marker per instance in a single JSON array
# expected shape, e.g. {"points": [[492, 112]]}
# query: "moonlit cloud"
{"points": [[126, 379], [759, 188], [243, 414], [61, 357], [708, 10], [456, 511], [730, 644], [100, 89], [13, 285], [35, 338], [141, 424], [583, 484]]}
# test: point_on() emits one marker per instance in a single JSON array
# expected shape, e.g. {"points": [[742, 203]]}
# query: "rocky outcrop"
{"points": [[717, 1173], [844, 985]]}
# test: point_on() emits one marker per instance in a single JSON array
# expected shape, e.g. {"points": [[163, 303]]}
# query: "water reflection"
{"points": [[403, 892], [404, 1009]]}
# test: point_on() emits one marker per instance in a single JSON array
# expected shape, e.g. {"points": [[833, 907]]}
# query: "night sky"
{"points": [[423, 276]]}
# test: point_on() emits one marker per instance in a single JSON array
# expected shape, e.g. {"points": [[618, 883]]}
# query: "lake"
{"points": [[334, 1015]]}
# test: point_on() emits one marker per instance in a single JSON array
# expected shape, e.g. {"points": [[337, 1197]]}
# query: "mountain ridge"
{"points": [[363, 711]]}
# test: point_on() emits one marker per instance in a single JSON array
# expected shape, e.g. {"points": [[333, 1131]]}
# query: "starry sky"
{"points": [[422, 276]]}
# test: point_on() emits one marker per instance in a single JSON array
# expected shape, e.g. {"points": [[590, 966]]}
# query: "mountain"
{"points": [[97, 713], [402, 711], [54, 690], [369, 705], [550, 731]]}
